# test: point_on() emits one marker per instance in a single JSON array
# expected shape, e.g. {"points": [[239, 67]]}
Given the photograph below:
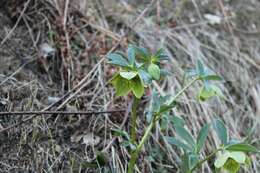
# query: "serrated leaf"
{"points": [[128, 74], [122, 85], [117, 59], [202, 137], [131, 54], [154, 71], [221, 131], [137, 87], [177, 143], [242, 147], [185, 135]]}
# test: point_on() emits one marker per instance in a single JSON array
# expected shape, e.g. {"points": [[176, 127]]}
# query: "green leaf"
{"points": [[145, 77], [166, 107], [161, 54], [209, 91], [202, 136], [177, 121], [193, 160], [117, 59], [177, 143], [128, 74], [242, 147], [185, 135], [211, 77], [231, 166], [206, 93], [100, 161], [238, 156], [200, 68], [122, 85], [142, 52], [221, 131], [248, 161], [185, 165], [131, 54], [164, 122], [156, 104], [121, 133], [137, 87], [221, 160], [154, 71]]}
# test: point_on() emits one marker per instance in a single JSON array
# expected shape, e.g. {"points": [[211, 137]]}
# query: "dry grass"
{"points": [[82, 32]]}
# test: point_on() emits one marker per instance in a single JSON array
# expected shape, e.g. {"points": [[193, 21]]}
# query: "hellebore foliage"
{"points": [[136, 71], [230, 156]]}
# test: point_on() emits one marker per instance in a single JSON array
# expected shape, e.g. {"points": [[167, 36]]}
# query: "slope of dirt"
{"points": [[50, 51]]}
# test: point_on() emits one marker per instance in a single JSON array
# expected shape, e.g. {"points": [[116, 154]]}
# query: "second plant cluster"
{"points": [[137, 69]]}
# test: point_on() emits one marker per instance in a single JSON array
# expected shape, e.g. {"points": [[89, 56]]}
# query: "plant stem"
{"points": [[184, 88], [133, 120], [134, 154], [156, 117], [205, 159]]}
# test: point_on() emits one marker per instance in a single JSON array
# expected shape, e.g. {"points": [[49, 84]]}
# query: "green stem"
{"points": [[184, 88], [156, 117], [135, 153], [134, 120], [205, 159]]}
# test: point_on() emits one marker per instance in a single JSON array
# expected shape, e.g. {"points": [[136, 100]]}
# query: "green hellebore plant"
{"points": [[136, 71], [134, 76], [231, 155]]}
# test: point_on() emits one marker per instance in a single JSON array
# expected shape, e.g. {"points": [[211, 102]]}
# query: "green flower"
{"points": [[231, 161]]}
